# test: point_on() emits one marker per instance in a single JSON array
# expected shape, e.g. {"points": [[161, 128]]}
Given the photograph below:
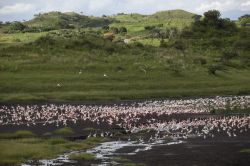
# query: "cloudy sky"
{"points": [[11, 10]]}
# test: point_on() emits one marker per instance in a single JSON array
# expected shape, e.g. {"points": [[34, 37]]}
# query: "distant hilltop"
{"points": [[58, 20]]}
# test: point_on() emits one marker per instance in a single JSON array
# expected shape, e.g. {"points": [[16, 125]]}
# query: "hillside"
{"points": [[172, 14], [158, 17], [160, 60], [57, 20], [135, 23]]}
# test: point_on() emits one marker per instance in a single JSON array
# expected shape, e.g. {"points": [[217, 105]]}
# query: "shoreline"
{"points": [[112, 102]]}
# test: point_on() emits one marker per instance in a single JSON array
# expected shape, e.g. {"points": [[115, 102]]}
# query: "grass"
{"points": [[245, 151], [66, 131], [17, 151], [17, 134], [77, 65], [20, 37]]}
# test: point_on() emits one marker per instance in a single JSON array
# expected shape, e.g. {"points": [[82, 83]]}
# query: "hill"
{"points": [[210, 57], [58, 20], [172, 14], [135, 23]]}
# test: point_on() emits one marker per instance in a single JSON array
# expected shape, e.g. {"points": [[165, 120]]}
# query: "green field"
{"points": [[22, 146], [79, 64]]}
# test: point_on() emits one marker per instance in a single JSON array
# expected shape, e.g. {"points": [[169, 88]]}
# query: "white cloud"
{"points": [[221, 5], [246, 4], [16, 8]]}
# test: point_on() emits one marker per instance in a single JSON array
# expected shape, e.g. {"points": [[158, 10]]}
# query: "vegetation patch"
{"points": [[17, 134], [245, 151], [66, 131], [17, 151]]}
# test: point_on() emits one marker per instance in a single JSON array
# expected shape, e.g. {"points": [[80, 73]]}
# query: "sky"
{"points": [[18, 10]]}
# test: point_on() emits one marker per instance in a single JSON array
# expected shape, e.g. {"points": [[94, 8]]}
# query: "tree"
{"points": [[244, 16], [211, 26], [244, 20], [197, 17], [212, 16], [17, 26]]}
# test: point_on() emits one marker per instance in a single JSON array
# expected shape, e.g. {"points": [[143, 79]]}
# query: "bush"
{"points": [[17, 26], [64, 131], [201, 61], [180, 45], [45, 40], [213, 26], [216, 42], [228, 55], [18, 134], [106, 27], [24, 134], [212, 69], [148, 27], [242, 44], [115, 30], [123, 30]]}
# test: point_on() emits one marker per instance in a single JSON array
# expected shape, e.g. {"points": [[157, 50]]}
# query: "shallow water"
{"points": [[105, 152]]}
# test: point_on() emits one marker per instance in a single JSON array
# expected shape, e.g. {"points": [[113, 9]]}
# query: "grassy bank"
{"points": [[55, 73], [21, 146]]}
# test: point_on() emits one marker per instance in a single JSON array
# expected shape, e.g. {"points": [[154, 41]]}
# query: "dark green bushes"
{"points": [[17, 26], [242, 44], [214, 68], [211, 26]]}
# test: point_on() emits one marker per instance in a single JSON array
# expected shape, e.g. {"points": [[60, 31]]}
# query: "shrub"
{"points": [[45, 40], [216, 42], [148, 27], [123, 30], [213, 68], [115, 30], [180, 45], [18, 134], [17, 26], [201, 61], [243, 44], [24, 134], [228, 55], [64, 131], [105, 27]]}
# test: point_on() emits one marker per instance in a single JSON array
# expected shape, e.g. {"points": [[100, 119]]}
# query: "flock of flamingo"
{"points": [[166, 117]]}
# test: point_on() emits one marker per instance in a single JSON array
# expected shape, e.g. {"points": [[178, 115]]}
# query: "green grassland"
{"points": [[20, 37], [79, 64], [22, 146]]}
